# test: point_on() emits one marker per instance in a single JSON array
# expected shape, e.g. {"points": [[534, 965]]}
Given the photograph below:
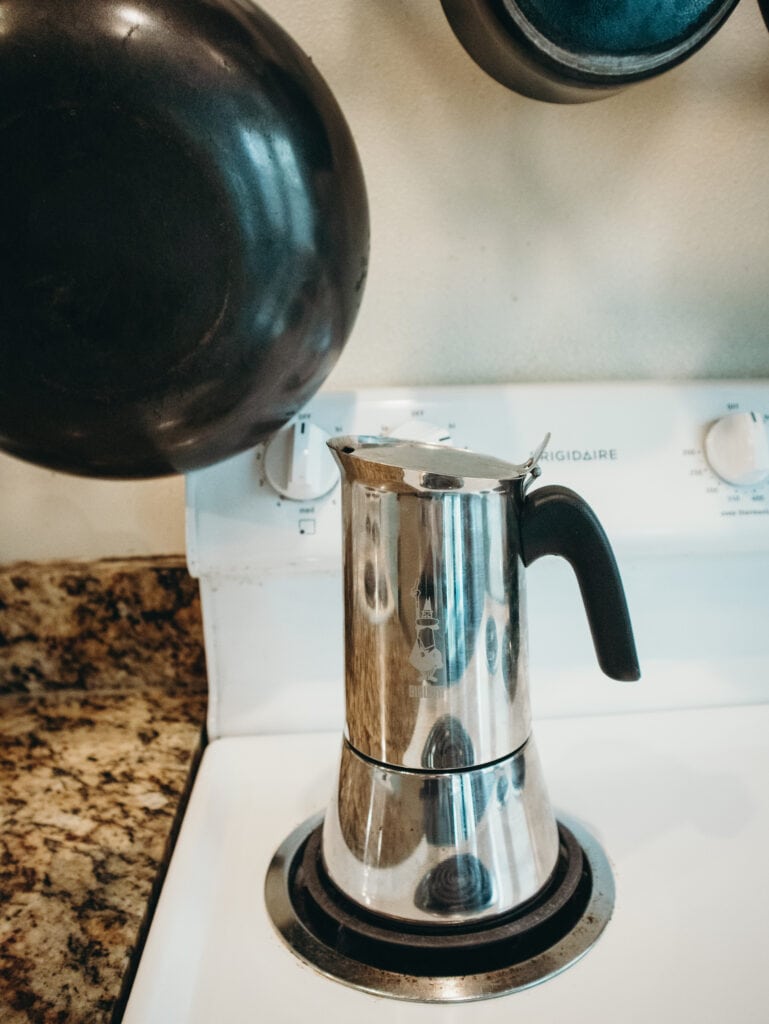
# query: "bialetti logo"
{"points": [[420, 692], [426, 657], [580, 455]]}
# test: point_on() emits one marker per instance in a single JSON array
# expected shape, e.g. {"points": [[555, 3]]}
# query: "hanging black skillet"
{"points": [[183, 232], [569, 51]]}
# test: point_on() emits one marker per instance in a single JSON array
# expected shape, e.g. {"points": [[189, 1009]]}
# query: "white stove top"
{"points": [[678, 799], [669, 774]]}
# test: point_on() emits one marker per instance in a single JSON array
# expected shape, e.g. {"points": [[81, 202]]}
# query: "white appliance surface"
{"points": [[669, 774], [678, 799], [270, 568]]}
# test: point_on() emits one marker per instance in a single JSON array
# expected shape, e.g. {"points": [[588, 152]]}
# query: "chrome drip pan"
{"points": [[431, 964]]}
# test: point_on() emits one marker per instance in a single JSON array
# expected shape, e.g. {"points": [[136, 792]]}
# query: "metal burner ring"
{"points": [[431, 988]]}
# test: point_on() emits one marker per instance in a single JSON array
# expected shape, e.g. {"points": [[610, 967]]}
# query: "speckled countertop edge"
{"points": [[94, 771], [91, 625]]}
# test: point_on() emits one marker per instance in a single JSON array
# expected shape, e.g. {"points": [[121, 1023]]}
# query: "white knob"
{"points": [[737, 448], [422, 430], [298, 464]]}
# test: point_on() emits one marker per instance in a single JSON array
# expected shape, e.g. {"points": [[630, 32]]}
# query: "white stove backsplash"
{"points": [[693, 550]]}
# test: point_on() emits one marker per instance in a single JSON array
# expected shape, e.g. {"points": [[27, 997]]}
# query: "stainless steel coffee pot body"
{"points": [[441, 814]]}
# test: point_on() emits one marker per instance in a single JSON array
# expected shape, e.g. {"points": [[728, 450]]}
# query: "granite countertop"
{"points": [[102, 704]]}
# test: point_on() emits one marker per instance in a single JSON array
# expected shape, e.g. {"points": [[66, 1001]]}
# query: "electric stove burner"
{"points": [[433, 963]]}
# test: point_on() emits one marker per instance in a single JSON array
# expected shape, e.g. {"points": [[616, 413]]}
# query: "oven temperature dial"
{"points": [[737, 449], [297, 463]]}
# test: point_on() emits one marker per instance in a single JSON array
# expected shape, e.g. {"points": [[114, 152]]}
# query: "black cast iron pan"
{"points": [[183, 232], [569, 51]]}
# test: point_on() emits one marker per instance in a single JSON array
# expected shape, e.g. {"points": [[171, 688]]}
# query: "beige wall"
{"points": [[512, 240]]}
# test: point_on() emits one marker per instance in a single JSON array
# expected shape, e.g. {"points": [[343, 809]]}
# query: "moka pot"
{"points": [[440, 815]]}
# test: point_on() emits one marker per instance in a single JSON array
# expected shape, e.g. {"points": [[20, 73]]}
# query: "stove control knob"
{"points": [[297, 463], [737, 448]]}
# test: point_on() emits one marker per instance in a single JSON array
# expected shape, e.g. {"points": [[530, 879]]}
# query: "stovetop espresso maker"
{"points": [[441, 817]]}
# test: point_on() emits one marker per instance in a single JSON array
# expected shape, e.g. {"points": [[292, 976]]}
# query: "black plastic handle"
{"points": [[556, 521]]}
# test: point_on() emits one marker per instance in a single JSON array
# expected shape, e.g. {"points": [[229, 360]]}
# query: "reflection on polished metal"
{"points": [[440, 817], [440, 847], [496, 978], [434, 602]]}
